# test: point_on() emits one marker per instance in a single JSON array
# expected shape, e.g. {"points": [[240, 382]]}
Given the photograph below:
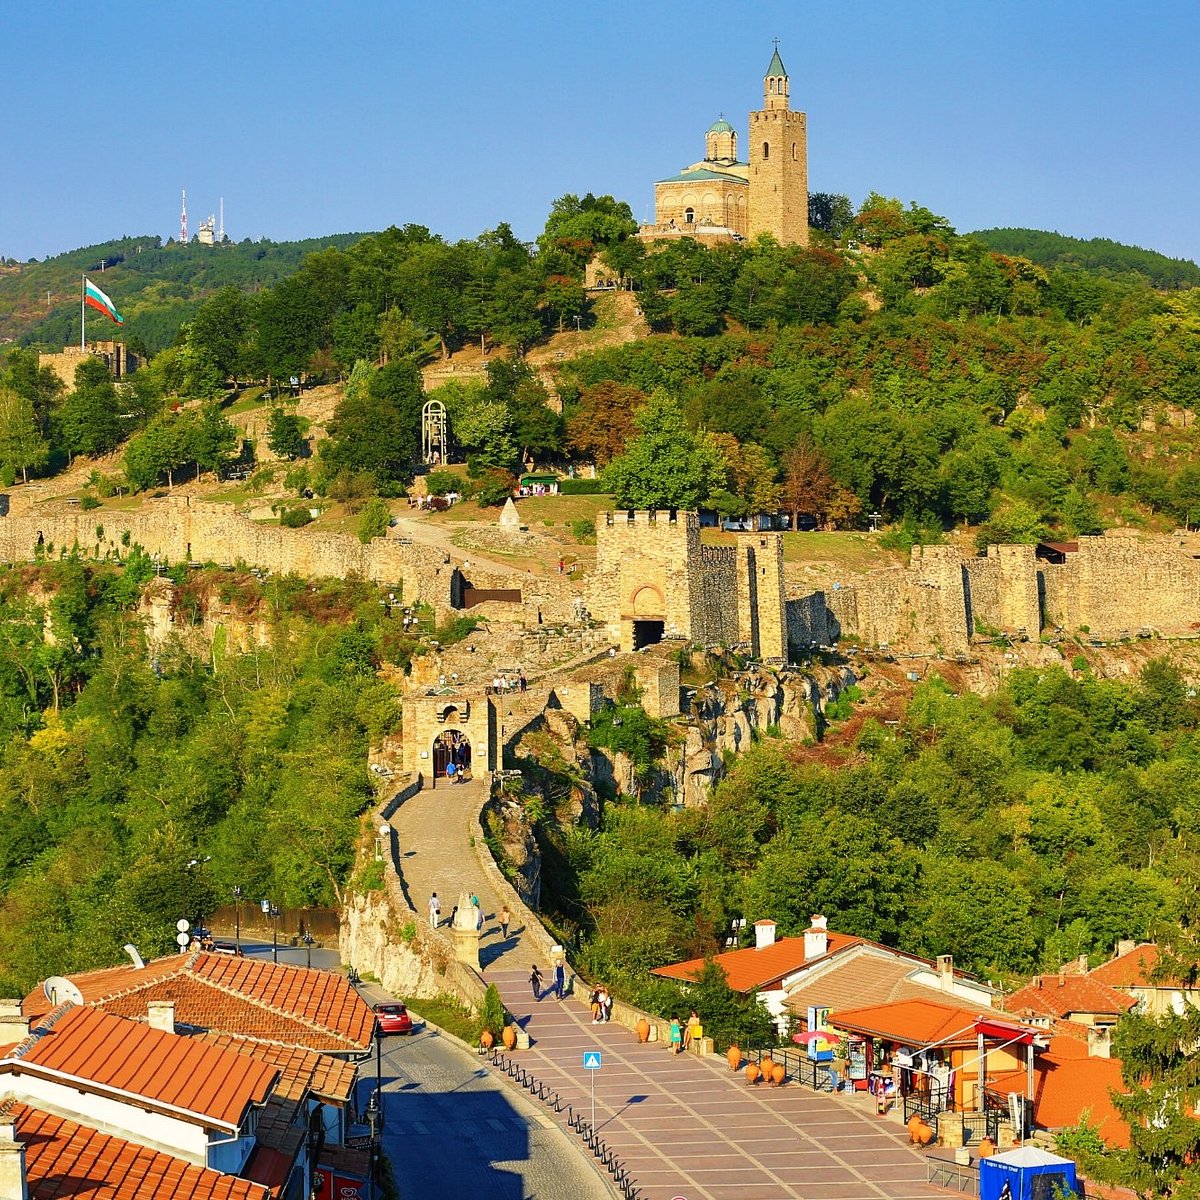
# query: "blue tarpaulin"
{"points": [[1026, 1173]]}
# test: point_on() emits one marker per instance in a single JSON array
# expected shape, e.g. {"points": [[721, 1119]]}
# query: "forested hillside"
{"points": [[139, 784], [156, 287], [1092, 254]]}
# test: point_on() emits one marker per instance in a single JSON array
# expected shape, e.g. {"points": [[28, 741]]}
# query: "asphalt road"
{"points": [[453, 1129]]}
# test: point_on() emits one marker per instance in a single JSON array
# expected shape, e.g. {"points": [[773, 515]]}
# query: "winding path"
{"points": [[684, 1126]]}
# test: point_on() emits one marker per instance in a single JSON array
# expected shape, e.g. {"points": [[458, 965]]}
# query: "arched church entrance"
{"points": [[450, 746]]}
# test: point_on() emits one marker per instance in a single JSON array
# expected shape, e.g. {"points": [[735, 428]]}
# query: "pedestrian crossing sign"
{"points": [[591, 1060]]}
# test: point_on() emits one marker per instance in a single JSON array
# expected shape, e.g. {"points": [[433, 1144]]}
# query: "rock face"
{"points": [[372, 933]]}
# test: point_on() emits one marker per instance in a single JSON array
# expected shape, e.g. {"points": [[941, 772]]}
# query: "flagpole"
{"points": [[83, 314]]}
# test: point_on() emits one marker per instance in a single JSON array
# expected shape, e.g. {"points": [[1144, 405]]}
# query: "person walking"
{"points": [[560, 980], [535, 982], [676, 1036], [435, 910], [504, 919], [689, 1030]]}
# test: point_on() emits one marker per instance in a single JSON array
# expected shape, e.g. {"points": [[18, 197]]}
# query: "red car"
{"points": [[393, 1018]]}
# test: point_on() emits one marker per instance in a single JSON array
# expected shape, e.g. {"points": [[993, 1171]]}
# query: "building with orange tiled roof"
{"points": [[1069, 1085], [794, 974], [269, 1002], [55, 1156], [1081, 999], [1134, 971], [926, 1041]]}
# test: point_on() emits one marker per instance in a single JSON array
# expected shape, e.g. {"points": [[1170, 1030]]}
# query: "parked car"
{"points": [[226, 948], [393, 1018]]}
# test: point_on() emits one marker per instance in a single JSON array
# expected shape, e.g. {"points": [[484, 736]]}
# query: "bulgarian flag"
{"points": [[93, 297]]}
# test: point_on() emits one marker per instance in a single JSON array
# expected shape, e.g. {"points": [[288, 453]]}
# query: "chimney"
{"points": [[13, 1182], [160, 1014], [1081, 964], [945, 971], [764, 934], [1099, 1041], [816, 938], [1125, 946], [14, 1026], [1062, 980]]}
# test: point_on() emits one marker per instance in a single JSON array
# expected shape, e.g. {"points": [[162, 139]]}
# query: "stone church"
{"points": [[722, 198]]}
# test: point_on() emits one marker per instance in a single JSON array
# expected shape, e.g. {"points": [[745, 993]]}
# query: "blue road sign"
{"points": [[591, 1060]]}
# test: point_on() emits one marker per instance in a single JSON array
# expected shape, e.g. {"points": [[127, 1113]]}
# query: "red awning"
{"points": [[1007, 1033]]}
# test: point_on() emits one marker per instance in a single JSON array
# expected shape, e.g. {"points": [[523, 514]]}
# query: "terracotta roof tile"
{"points": [[301, 1070], [914, 1022], [1066, 1086], [860, 980], [295, 1006], [63, 1158], [113, 1053], [1131, 969], [753, 968], [1059, 995]]}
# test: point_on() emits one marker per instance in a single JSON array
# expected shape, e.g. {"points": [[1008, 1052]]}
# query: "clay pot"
{"points": [[777, 1074], [509, 1037], [987, 1148], [766, 1065], [643, 1029], [924, 1134], [734, 1055], [752, 1073], [486, 1039]]}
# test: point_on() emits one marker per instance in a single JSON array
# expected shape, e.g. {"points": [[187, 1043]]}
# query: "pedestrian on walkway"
{"points": [[605, 1004], [504, 919], [535, 981], [596, 1006], [676, 1036], [435, 910], [689, 1030], [560, 980], [523, 681]]}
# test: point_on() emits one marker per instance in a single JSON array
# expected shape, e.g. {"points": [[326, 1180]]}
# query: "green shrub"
{"points": [[584, 531], [442, 483], [581, 487], [374, 520], [87, 503], [370, 876], [493, 1017], [295, 518]]}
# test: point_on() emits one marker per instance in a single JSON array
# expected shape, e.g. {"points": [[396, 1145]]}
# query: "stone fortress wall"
{"points": [[1111, 587], [180, 529], [654, 579]]}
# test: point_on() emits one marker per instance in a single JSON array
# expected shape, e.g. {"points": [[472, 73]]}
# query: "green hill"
{"points": [[1098, 255], [155, 286]]}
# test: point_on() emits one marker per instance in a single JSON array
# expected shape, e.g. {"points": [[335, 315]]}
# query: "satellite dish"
{"points": [[182, 926], [60, 990]]}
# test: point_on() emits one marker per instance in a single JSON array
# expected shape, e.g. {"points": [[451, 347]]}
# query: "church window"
{"points": [[793, 152], [766, 149], [689, 215]]}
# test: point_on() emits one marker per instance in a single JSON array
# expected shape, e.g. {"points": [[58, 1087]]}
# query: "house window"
{"points": [[689, 215]]}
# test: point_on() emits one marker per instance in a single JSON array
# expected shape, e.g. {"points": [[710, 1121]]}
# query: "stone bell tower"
{"points": [[778, 163]]}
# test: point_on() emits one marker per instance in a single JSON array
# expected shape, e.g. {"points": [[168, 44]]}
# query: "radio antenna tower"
{"points": [[221, 231], [183, 238]]}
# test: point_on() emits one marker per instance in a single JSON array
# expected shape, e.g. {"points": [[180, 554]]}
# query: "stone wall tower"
{"points": [[778, 163]]}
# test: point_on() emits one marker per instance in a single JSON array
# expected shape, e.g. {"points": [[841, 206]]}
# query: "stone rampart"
{"points": [[180, 529], [810, 621]]}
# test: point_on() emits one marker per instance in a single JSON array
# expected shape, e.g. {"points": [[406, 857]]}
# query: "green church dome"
{"points": [[720, 126]]}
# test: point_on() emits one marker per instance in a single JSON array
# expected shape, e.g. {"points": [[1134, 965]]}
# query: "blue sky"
{"points": [[314, 118]]}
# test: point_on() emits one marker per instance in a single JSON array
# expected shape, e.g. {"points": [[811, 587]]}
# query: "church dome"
{"points": [[720, 126]]}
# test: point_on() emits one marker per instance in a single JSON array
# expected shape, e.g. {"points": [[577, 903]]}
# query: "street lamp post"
{"points": [[379, 1072], [269, 910], [307, 939], [237, 918]]}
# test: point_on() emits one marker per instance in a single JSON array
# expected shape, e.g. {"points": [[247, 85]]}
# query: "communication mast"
{"points": [[183, 221]]}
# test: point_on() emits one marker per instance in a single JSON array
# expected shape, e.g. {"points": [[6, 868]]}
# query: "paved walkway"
{"points": [[687, 1126], [433, 831]]}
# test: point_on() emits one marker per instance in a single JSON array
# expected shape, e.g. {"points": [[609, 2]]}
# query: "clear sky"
{"points": [[346, 115]]}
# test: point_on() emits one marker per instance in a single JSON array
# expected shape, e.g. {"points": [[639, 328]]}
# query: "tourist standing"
{"points": [[504, 919], [560, 979], [676, 1036], [535, 982], [435, 910]]}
